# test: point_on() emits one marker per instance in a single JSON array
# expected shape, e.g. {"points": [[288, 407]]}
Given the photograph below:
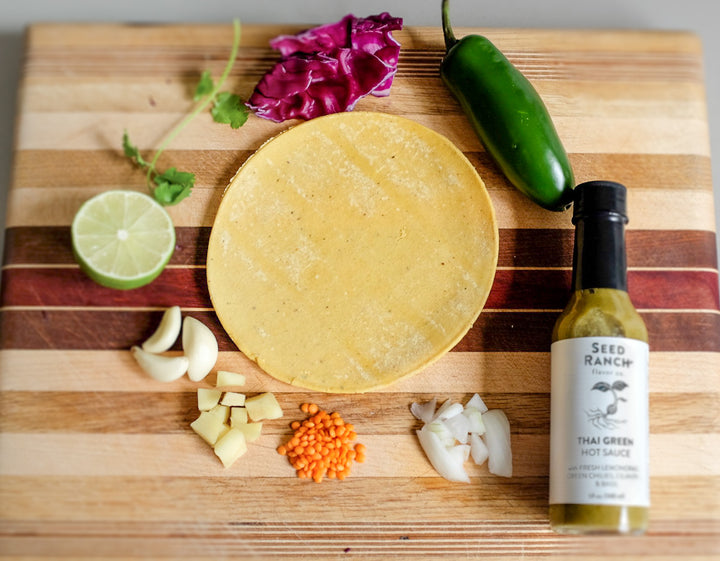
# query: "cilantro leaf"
{"points": [[131, 151], [229, 108], [205, 86], [173, 186]]}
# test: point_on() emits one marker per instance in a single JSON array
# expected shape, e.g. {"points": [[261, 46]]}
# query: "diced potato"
{"points": [[230, 447], [250, 430], [225, 378], [232, 399], [238, 416], [222, 411], [208, 398], [210, 427], [263, 406]]}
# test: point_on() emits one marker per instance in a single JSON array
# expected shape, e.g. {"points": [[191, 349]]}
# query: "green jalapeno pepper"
{"points": [[508, 116]]}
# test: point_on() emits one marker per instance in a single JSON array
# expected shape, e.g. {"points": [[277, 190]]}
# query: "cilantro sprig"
{"points": [[171, 186]]}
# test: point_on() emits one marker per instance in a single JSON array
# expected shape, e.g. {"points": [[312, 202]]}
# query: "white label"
{"points": [[599, 422]]}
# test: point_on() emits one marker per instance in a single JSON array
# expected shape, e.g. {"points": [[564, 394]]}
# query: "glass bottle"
{"points": [[599, 481]]}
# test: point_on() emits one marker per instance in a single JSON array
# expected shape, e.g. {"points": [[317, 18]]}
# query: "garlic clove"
{"points": [[160, 367], [166, 333], [200, 347]]}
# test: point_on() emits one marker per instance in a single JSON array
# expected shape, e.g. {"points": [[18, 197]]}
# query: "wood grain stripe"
{"points": [[172, 413], [521, 247], [522, 331], [79, 131], [389, 455], [657, 208], [370, 540], [513, 289], [213, 167], [165, 500], [455, 374], [410, 95]]}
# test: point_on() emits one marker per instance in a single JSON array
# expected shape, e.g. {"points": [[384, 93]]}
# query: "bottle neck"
{"points": [[599, 259]]}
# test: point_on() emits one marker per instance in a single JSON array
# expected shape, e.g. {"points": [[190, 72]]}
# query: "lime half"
{"points": [[122, 239]]}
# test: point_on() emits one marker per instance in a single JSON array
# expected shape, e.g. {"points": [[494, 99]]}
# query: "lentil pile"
{"points": [[322, 445]]}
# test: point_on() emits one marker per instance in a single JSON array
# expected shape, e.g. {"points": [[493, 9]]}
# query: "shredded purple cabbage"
{"points": [[327, 69]]}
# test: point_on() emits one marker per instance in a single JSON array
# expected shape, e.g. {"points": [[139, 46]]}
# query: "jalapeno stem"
{"points": [[448, 34]]}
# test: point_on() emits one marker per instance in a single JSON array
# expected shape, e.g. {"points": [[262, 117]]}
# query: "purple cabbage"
{"points": [[327, 69]]}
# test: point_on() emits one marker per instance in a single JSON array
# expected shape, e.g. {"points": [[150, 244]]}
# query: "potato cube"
{"points": [[225, 378], [208, 398], [238, 416], [210, 427], [250, 430], [222, 411], [230, 447], [263, 406], [232, 399]]}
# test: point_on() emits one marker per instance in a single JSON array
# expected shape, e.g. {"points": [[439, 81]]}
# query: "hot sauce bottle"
{"points": [[599, 481]]}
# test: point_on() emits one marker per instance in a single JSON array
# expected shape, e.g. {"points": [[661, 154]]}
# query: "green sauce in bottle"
{"points": [[599, 480]]}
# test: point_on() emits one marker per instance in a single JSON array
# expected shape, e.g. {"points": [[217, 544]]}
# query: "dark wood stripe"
{"points": [[541, 289], [51, 245], [493, 332], [687, 249]]}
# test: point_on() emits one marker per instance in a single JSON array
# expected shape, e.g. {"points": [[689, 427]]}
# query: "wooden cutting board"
{"points": [[97, 460]]}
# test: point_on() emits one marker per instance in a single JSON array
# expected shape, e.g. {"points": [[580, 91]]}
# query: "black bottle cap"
{"points": [[595, 198]]}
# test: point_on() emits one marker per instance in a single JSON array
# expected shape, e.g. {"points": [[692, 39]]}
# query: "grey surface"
{"points": [[698, 16]]}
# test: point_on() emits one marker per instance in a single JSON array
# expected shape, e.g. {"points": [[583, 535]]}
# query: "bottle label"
{"points": [[599, 422]]}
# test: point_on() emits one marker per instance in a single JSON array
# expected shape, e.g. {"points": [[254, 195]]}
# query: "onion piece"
{"points": [[497, 439], [459, 427], [424, 411], [452, 434], [476, 402], [448, 410], [443, 432], [475, 420], [448, 462], [478, 449]]}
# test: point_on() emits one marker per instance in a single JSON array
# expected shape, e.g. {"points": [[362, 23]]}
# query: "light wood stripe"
{"points": [[395, 456], [455, 373], [87, 94], [666, 45], [102, 130], [486, 500], [656, 209]]}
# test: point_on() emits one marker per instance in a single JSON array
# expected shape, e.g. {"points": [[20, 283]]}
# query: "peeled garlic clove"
{"points": [[160, 367], [200, 347], [166, 333]]}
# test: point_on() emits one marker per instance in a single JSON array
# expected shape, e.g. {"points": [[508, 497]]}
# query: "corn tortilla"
{"points": [[351, 251]]}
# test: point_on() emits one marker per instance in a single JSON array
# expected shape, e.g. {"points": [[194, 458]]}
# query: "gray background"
{"points": [[698, 16]]}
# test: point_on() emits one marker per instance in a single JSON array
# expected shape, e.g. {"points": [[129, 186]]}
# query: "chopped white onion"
{"points": [[424, 411], [451, 435], [476, 402], [448, 410], [478, 449], [475, 421], [443, 432], [448, 462], [497, 439], [459, 426]]}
